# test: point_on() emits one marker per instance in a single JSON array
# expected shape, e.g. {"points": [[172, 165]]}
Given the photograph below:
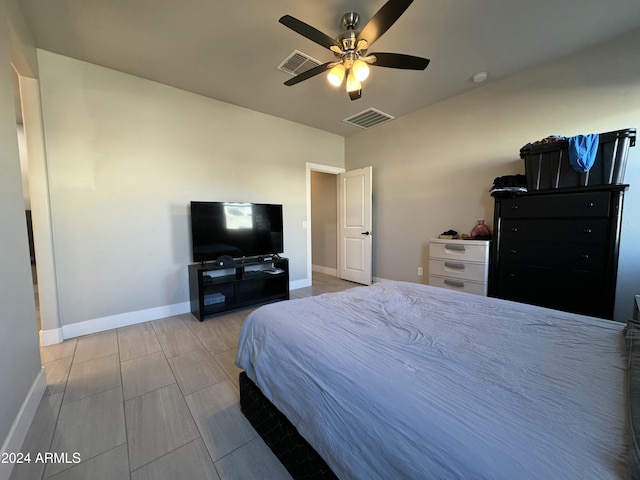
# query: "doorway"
{"points": [[324, 223], [322, 208]]}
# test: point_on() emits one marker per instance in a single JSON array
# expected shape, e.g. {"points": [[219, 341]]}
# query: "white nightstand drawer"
{"points": [[467, 286], [458, 269], [469, 250]]}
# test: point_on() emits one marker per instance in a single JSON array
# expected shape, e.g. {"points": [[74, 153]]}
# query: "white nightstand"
{"points": [[461, 265]]}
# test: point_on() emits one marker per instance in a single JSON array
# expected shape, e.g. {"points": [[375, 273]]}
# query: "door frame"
{"points": [[314, 167], [31, 104]]}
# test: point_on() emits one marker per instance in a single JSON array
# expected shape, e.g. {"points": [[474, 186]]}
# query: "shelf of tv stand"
{"points": [[243, 285]]}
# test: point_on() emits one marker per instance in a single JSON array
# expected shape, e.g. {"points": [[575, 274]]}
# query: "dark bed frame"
{"points": [[293, 451]]}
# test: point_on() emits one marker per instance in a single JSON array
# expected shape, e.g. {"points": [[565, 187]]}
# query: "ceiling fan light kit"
{"points": [[352, 83], [350, 48], [336, 75], [360, 70]]}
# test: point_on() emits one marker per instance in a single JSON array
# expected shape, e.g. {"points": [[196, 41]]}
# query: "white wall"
{"points": [[19, 354], [433, 168], [125, 156]]}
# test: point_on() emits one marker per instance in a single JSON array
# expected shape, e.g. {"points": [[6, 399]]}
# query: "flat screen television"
{"points": [[235, 229]]}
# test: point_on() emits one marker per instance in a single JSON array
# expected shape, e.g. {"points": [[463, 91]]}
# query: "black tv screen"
{"points": [[235, 229]]}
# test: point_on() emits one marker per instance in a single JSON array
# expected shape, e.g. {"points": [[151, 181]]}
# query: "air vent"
{"points": [[297, 63], [369, 118]]}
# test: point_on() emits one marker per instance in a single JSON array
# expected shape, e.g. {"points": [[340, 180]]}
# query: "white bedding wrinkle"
{"points": [[400, 380]]}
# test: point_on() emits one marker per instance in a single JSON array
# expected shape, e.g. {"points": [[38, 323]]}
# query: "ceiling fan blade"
{"points": [[399, 60], [383, 19], [312, 72], [308, 31], [355, 95]]}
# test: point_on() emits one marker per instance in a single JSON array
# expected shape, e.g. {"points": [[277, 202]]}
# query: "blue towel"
{"points": [[582, 151]]}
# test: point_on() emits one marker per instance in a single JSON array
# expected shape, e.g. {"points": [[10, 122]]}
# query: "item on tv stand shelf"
{"points": [[273, 271], [213, 298], [225, 261]]}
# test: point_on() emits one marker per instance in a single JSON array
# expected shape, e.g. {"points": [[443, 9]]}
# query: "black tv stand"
{"points": [[215, 289]]}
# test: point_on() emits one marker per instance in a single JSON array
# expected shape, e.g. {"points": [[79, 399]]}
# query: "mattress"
{"points": [[400, 380]]}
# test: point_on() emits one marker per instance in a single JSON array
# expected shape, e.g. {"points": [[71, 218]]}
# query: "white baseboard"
{"points": [[96, 325], [51, 337], [20, 428], [294, 285], [325, 270]]}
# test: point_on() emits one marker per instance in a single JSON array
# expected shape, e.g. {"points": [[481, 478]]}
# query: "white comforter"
{"points": [[400, 380]]}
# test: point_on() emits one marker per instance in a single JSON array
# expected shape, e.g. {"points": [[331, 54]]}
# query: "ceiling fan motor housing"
{"points": [[350, 20], [349, 38]]}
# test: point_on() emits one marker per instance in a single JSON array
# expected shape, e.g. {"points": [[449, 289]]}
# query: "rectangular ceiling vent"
{"points": [[369, 118], [297, 63]]}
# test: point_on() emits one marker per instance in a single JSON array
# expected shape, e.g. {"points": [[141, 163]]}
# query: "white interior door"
{"points": [[354, 235]]}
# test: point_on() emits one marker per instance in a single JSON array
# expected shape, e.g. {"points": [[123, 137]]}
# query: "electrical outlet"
{"points": [[419, 271]]}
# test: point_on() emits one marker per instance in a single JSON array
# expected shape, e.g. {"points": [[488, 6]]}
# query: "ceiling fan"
{"points": [[350, 48]]}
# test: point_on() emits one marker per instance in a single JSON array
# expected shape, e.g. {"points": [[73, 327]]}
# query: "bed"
{"points": [[407, 381]]}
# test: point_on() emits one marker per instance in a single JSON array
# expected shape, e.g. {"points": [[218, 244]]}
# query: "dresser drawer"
{"points": [[466, 286], [461, 250], [576, 291], [588, 204], [458, 269], [580, 256], [581, 230]]}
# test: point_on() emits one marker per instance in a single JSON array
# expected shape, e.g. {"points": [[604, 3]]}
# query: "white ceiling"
{"points": [[229, 50]]}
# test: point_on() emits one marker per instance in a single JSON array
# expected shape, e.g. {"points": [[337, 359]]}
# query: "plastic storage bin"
{"points": [[547, 165]]}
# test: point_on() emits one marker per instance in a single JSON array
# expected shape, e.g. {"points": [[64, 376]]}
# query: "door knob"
{"points": [[366, 233]]}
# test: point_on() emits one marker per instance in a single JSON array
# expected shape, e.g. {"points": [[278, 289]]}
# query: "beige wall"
{"points": [[126, 156], [19, 354], [433, 168], [324, 221]]}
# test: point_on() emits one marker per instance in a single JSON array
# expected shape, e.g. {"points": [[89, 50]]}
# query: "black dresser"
{"points": [[558, 248]]}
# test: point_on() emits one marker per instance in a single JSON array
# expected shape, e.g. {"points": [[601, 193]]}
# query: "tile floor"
{"points": [[157, 400]]}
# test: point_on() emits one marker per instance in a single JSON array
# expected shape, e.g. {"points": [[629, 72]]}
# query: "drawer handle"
{"points": [[514, 229], [457, 248], [589, 204], [454, 283], [457, 266], [587, 231], [514, 207], [584, 256], [511, 275]]}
